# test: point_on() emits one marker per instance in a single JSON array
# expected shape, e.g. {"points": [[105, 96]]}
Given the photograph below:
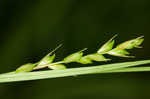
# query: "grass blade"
{"points": [[133, 69], [68, 72]]}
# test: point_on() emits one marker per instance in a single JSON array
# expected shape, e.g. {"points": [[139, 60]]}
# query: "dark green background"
{"points": [[29, 29]]}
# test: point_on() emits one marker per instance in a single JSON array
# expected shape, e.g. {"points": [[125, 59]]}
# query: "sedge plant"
{"points": [[59, 68]]}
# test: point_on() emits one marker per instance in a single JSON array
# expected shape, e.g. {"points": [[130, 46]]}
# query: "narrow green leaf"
{"points": [[133, 69], [68, 72]]}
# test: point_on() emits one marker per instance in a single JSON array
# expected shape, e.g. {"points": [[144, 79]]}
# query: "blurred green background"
{"points": [[29, 29]]}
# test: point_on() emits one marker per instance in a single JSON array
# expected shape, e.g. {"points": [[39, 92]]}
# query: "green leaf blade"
{"points": [[68, 72]]}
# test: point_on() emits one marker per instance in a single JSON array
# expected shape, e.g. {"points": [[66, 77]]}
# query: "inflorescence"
{"points": [[108, 48]]}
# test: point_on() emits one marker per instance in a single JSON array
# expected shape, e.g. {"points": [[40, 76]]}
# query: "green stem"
{"points": [[73, 71]]}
